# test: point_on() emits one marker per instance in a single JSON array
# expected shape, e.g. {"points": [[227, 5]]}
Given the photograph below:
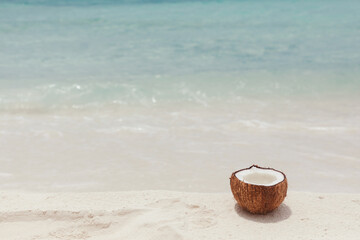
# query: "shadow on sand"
{"points": [[282, 213]]}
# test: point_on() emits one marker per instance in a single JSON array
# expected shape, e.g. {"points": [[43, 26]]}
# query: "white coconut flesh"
{"points": [[260, 176]]}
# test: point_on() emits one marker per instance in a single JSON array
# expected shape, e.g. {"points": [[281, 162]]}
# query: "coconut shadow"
{"points": [[282, 213]]}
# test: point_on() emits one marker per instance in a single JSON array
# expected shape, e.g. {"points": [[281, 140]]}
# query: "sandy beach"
{"points": [[174, 215], [124, 119]]}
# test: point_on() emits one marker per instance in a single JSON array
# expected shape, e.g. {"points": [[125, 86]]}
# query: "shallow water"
{"points": [[182, 148], [123, 95]]}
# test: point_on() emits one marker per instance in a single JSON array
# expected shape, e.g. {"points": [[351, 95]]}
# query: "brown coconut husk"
{"points": [[258, 199]]}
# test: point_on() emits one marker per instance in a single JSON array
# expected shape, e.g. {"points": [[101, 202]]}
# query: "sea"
{"points": [[176, 95]]}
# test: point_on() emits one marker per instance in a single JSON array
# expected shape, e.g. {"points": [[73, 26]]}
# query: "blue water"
{"points": [[60, 53], [125, 95]]}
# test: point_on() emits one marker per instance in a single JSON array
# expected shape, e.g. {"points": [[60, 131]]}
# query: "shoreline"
{"points": [[317, 144], [174, 215]]}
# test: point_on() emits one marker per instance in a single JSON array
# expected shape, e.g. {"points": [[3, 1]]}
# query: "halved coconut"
{"points": [[258, 190]]}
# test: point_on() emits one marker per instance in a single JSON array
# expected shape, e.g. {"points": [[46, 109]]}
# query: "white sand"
{"points": [[174, 215]]}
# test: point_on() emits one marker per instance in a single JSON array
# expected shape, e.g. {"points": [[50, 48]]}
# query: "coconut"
{"points": [[258, 190]]}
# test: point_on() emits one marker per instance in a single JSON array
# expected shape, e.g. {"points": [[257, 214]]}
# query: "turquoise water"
{"points": [[125, 95], [57, 54]]}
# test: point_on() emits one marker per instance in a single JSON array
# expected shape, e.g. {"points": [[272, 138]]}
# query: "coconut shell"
{"points": [[258, 199]]}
